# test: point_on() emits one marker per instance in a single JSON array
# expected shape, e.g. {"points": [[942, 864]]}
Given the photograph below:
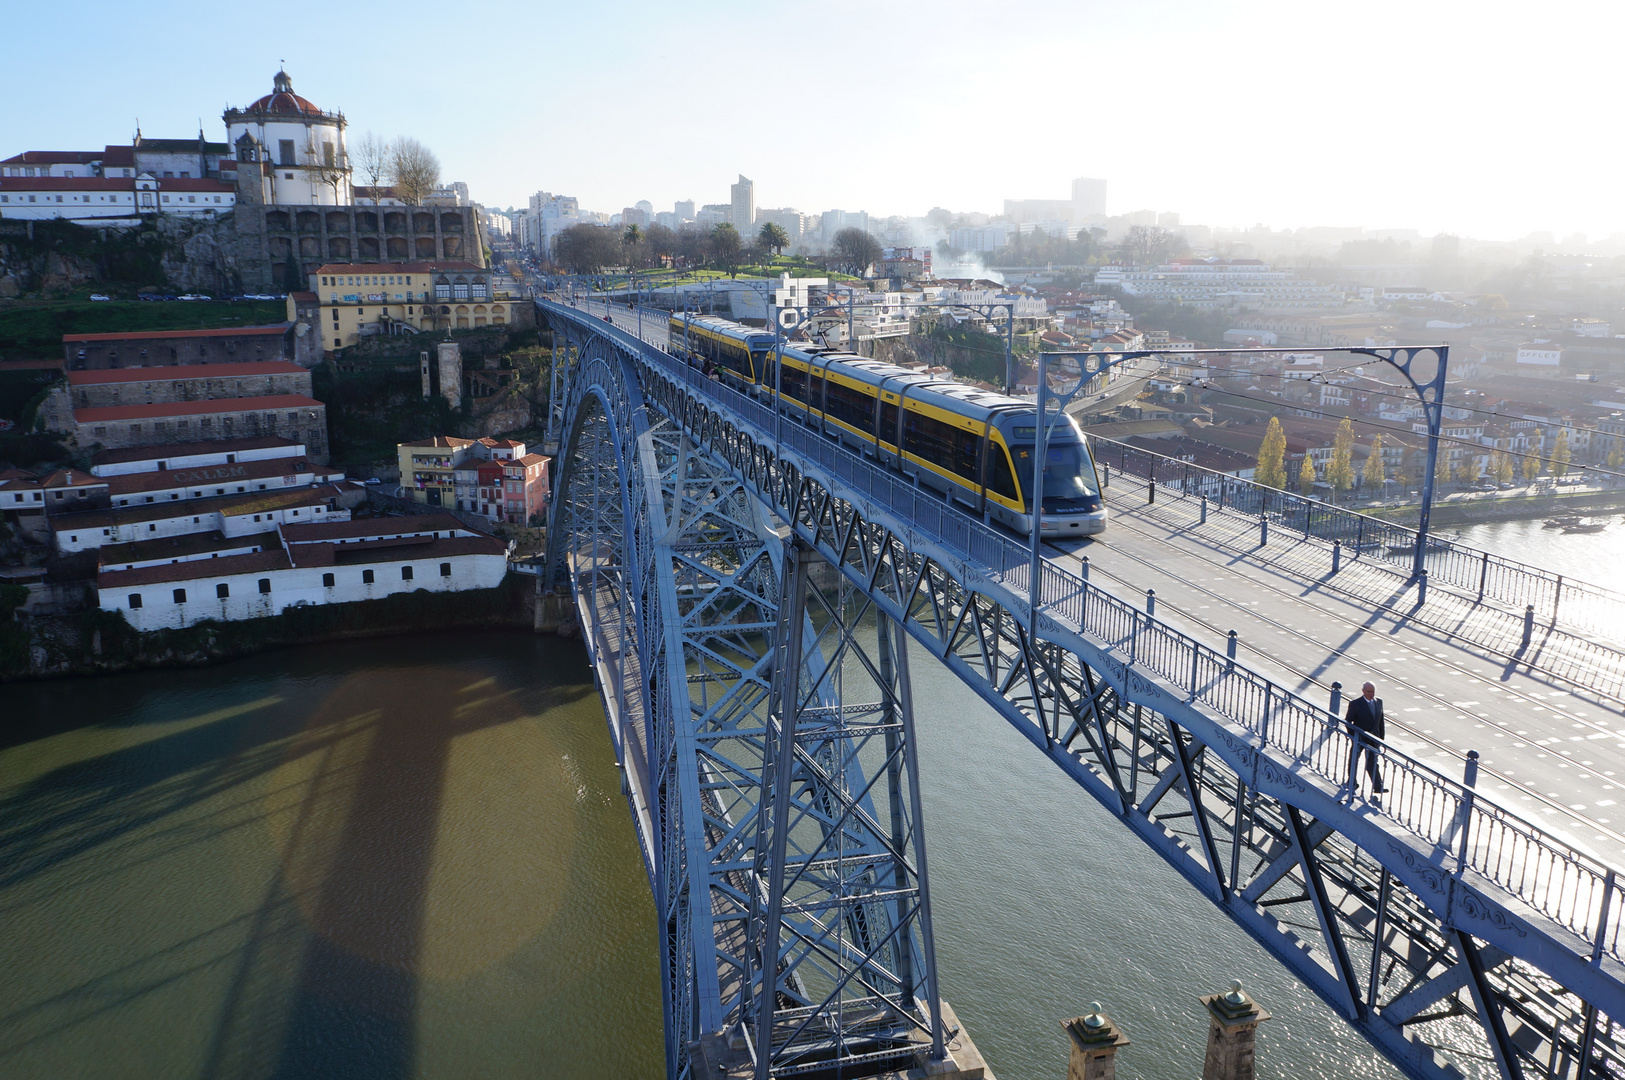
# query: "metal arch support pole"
{"points": [[1184, 770], [1040, 452], [776, 784], [928, 944], [1010, 350], [1325, 912], [1435, 415], [1495, 1028]]}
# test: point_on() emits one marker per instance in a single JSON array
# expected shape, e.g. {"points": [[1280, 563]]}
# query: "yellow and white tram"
{"points": [[974, 445]]}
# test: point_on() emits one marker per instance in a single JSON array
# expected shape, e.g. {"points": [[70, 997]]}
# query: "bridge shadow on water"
{"points": [[338, 794]]}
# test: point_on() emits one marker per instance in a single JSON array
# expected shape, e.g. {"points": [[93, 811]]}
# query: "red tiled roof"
{"points": [[65, 183], [187, 449], [176, 372], [451, 266], [208, 476], [158, 335], [395, 552], [70, 478], [118, 156], [195, 183], [52, 157], [194, 408], [195, 569], [327, 531]]}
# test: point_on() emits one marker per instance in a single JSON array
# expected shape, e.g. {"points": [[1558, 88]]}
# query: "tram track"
{"points": [[1487, 769]]}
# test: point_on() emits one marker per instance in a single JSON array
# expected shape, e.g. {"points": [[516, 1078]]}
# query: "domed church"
{"points": [[298, 149]]}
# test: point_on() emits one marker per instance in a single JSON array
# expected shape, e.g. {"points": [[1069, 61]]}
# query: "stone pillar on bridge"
{"points": [[1095, 1042], [1232, 1037]]}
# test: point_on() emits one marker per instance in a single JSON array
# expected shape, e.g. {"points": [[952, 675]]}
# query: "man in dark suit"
{"points": [[1365, 716]]}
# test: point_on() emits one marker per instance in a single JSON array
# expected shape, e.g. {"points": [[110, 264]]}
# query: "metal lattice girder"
{"points": [[1377, 910], [683, 617]]}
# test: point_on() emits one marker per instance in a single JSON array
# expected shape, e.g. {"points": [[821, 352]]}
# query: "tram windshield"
{"points": [[1068, 473]]}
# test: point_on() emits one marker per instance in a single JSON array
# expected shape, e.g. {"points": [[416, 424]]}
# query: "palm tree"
{"points": [[773, 236], [632, 235]]}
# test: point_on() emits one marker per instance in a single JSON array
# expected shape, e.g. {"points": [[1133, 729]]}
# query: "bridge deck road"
{"points": [[1550, 750]]}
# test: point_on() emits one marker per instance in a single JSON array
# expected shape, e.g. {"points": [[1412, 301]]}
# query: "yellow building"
{"points": [[358, 300], [429, 468]]}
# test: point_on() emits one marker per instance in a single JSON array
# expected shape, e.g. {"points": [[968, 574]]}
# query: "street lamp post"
{"points": [[1040, 456]]}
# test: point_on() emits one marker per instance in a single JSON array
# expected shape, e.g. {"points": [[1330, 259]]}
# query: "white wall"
{"points": [[198, 460], [294, 586], [184, 524]]}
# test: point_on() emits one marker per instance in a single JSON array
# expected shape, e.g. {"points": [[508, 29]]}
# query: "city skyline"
{"points": [[1378, 127]]}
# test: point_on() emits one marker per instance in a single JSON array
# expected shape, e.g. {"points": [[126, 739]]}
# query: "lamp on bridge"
{"points": [[1095, 1042], [1232, 1037]]}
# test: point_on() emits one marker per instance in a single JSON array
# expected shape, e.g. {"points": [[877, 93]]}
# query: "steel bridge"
{"points": [[747, 588]]}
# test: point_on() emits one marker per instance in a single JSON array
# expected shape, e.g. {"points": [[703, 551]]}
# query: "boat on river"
{"points": [[1561, 522], [1585, 527]]}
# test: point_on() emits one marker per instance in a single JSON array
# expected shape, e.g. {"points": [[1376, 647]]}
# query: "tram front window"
{"points": [[1069, 475]]}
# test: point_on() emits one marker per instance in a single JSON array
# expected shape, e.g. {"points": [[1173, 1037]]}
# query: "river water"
{"points": [[410, 857], [1598, 558]]}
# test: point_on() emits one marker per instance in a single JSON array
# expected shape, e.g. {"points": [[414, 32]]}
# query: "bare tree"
{"points": [[587, 249], [854, 251], [1149, 245], [413, 169], [372, 157], [327, 162]]}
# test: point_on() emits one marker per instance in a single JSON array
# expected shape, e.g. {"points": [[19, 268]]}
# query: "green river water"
{"points": [[410, 857]]}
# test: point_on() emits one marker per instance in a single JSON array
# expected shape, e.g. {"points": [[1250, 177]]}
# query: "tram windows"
{"points": [[930, 440], [851, 406], [888, 422], [793, 382], [1001, 480], [967, 448]]}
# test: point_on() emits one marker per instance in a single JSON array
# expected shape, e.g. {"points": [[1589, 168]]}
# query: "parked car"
{"points": [[373, 480], [1506, 486], [99, 296], [148, 296], [195, 296]]}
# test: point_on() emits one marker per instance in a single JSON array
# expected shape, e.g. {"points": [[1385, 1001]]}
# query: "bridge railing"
{"points": [[1579, 604], [1571, 886]]}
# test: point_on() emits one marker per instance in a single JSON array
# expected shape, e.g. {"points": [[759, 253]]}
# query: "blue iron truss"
{"points": [[777, 803]]}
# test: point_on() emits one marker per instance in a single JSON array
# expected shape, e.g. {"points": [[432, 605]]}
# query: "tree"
{"points": [[724, 244], [1375, 474], [1149, 245], [1466, 470], [413, 169], [329, 165], [1306, 475], [773, 237], [660, 240], [1616, 453], [1340, 470], [586, 249], [1531, 461], [854, 251], [372, 157], [1501, 466], [632, 235], [1561, 454], [1271, 471]]}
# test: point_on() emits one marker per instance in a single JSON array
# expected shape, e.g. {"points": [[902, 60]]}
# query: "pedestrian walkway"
{"points": [[1444, 670]]}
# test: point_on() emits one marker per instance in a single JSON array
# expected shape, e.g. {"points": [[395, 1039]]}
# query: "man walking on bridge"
{"points": [[1365, 716]]}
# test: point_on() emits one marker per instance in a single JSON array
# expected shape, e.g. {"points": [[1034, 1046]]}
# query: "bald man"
{"points": [[1365, 716]]}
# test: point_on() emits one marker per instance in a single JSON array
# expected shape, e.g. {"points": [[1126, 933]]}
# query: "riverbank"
{"points": [[99, 642], [1509, 508]]}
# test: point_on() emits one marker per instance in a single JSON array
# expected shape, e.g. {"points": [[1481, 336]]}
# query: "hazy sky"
{"points": [[1487, 119]]}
